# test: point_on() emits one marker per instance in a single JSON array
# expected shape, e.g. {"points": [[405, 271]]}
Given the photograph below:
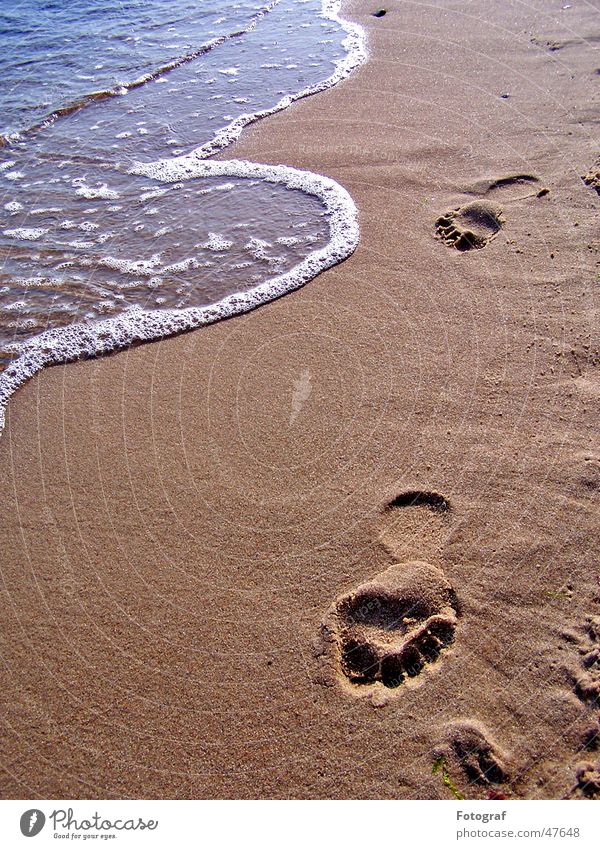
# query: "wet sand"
{"points": [[197, 534]]}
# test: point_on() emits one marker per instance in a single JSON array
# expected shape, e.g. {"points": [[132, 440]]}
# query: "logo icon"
{"points": [[302, 392], [32, 822]]}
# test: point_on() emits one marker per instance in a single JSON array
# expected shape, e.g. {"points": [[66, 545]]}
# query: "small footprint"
{"points": [[421, 498], [391, 628], [592, 178], [553, 44], [468, 749], [588, 779], [416, 523], [590, 740], [586, 677], [471, 226], [508, 188], [585, 680], [588, 468]]}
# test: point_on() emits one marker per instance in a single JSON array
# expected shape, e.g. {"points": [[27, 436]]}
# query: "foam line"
{"points": [[78, 341], [356, 54]]}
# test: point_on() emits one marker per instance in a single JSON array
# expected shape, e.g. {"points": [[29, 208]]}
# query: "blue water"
{"points": [[81, 238], [54, 53]]}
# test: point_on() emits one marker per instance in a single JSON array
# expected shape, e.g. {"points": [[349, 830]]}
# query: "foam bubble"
{"points": [[29, 234], [46, 210], [217, 243], [92, 193]]}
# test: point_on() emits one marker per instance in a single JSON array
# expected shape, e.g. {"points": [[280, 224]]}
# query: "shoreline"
{"points": [[77, 341], [173, 543]]}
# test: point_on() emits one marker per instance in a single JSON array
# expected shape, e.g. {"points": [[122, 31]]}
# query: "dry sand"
{"points": [[185, 527]]}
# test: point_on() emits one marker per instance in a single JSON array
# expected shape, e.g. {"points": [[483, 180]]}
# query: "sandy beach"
{"points": [[200, 536]]}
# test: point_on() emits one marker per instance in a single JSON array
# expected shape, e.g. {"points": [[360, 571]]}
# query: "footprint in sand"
{"points": [[509, 187], [585, 677], [476, 223], [388, 630], [592, 178], [471, 226], [590, 740], [416, 524], [588, 779], [585, 680], [391, 628], [469, 753], [587, 467]]}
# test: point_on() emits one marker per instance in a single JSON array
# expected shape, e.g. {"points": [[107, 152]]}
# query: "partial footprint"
{"points": [[416, 523], [469, 754], [470, 226], [592, 178], [509, 188], [588, 779], [554, 44], [585, 679], [587, 465], [586, 676], [388, 630]]}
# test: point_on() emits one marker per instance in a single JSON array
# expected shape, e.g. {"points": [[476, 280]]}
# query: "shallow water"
{"points": [[92, 251], [85, 238], [55, 53]]}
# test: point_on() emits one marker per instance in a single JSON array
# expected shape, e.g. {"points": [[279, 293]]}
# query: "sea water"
{"points": [[115, 223]]}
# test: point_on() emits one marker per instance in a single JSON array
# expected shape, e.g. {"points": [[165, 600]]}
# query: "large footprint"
{"points": [[470, 226], [391, 628]]}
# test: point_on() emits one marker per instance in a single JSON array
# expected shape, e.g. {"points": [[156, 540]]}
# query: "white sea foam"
{"points": [[93, 192], [141, 266], [224, 187], [153, 193], [258, 248], [29, 234], [355, 47], [80, 245], [45, 210], [61, 345], [215, 242]]}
